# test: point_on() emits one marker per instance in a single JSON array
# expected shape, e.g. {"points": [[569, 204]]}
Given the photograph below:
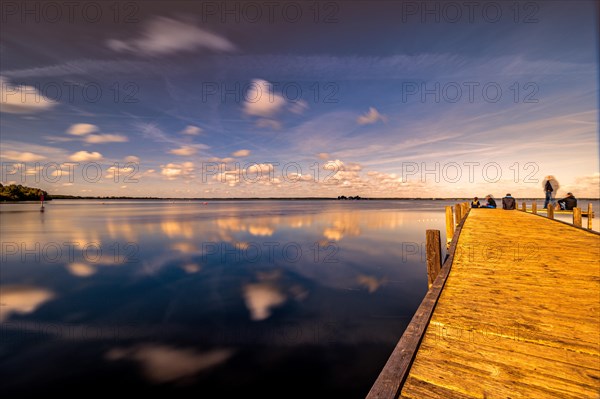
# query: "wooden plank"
{"points": [[577, 217], [464, 208], [590, 212], [534, 207], [433, 255], [449, 224], [521, 324], [457, 214], [562, 212]]}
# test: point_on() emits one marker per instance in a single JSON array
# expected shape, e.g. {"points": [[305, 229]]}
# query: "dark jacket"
{"points": [[475, 204], [569, 202], [491, 203], [509, 203]]}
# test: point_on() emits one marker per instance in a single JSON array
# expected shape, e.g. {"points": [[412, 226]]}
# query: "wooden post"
{"points": [[524, 206], [433, 255], [457, 213], [590, 216], [550, 211], [577, 217], [534, 208], [449, 224]]}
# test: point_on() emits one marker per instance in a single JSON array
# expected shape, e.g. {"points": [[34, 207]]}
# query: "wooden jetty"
{"points": [[513, 313], [559, 212]]}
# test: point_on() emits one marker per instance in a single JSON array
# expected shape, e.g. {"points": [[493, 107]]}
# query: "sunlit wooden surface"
{"points": [[519, 316]]}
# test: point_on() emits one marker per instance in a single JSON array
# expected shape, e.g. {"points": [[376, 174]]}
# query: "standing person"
{"points": [[475, 203], [568, 203], [509, 203], [551, 186], [491, 203]]}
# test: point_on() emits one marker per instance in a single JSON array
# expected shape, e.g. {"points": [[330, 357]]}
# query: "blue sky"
{"points": [[378, 99]]}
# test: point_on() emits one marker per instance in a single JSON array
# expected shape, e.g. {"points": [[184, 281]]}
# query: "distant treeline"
{"points": [[61, 196], [14, 192], [343, 197]]}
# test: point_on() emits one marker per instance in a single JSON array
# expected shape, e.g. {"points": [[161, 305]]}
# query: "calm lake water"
{"points": [[191, 298]]}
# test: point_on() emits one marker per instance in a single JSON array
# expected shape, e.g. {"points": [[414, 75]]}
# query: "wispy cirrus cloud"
{"points": [[22, 156], [155, 133], [30, 152], [371, 117], [162, 36]]}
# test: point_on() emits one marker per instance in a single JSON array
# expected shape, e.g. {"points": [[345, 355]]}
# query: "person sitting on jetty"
{"points": [[509, 203], [475, 203], [568, 203], [490, 202]]}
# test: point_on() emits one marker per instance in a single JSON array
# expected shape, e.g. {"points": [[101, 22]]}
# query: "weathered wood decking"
{"points": [[515, 313]]}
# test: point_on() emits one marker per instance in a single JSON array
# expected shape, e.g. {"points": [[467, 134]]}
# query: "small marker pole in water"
{"points": [[42, 202]]}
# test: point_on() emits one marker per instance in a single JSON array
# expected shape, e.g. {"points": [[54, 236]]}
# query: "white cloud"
{"points": [[241, 153], [221, 160], [81, 129], [270, 123], [174, 170], [373, 116], [22, 156], [184, 151], [132, 158], [261, 99], [323, 155], [105, 138], [21, 99], [264, 169], [164, 35], [255, 173], [85, 130], [344, 175], [82, 156], [192, 130], [113, 172]]}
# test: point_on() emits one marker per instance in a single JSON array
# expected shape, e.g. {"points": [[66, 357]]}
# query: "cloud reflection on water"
{"points": [[162, 363], [22, 299]]}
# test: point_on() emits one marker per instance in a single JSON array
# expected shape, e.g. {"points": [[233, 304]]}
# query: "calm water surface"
{"points": [[187, 298]]}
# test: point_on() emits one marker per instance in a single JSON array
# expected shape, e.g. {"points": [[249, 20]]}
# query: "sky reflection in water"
{"points": [[190, 297]]}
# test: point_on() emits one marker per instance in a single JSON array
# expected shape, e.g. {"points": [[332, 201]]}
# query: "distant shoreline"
{"points": [[58, 198]]}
